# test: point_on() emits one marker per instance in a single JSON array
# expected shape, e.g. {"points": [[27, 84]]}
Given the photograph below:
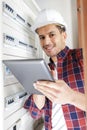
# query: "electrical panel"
{"points": [[17, 34], [18, 43]]}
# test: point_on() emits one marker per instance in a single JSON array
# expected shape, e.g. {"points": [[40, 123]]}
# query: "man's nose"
{"points": [[47, 40]]}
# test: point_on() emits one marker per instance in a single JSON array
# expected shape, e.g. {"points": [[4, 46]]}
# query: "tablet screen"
{"points": [[28, 71]]}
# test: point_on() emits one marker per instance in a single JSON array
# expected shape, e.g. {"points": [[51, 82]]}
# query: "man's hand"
{"points": [[59, 92]]}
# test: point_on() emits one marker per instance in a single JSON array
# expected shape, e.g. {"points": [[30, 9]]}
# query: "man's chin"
{"points": [[50, 55]]}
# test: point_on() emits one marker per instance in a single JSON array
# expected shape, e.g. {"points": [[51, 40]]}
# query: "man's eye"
{"points": [[51, 35], [42, 38]]}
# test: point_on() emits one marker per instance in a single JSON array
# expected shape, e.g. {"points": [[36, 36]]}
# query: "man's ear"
{"points": [[64, 34]]}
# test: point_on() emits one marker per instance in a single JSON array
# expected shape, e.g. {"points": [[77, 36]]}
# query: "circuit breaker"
{"points": [[18, 43]]}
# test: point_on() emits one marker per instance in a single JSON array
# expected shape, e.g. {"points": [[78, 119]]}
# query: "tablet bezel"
{"points": [[28, 71]]}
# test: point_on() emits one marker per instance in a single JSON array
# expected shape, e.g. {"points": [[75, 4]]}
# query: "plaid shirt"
{"points": [[70, 69]]}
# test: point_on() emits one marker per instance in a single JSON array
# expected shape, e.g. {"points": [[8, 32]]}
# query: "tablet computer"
{"points": [[28, 71]]}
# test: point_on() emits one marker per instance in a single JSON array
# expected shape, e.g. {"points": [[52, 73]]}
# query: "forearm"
{"points": [[78, 99], [32, 108], [39, 100]]}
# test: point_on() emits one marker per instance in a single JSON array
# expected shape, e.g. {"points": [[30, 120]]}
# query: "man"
{"points": [[63, 103]]}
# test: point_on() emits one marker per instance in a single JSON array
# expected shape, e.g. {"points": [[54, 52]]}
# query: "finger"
{"points": [[50, 90], [49, 94], [51, 71], [49, 68], [56, 85], [46, 83]]}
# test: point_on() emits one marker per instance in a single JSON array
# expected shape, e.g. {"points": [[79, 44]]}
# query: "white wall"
{"points": [[1, 74]]}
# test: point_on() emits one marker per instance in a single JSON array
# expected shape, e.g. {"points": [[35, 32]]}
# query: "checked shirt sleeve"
{"points": [[32, 108]]}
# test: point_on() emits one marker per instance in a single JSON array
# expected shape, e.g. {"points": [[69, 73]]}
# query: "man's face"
{"points": [[51, 40]]}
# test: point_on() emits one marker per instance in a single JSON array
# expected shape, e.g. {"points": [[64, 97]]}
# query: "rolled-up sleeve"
{"points": [[32, 108]]}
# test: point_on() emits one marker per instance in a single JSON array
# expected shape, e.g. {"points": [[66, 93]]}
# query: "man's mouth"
{"points": [[48, 48]]}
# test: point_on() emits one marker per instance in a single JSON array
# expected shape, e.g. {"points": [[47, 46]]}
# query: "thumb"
{"points": [[54, 74]]}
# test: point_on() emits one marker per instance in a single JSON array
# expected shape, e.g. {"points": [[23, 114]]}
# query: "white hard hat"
{"points": [[48, 16]]}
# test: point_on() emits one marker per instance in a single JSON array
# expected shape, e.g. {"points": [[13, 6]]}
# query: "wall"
{"points": [[82, 26], [1, 73]]}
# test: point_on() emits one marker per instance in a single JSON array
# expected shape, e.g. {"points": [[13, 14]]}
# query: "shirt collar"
{"points": [[62, 54]]}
